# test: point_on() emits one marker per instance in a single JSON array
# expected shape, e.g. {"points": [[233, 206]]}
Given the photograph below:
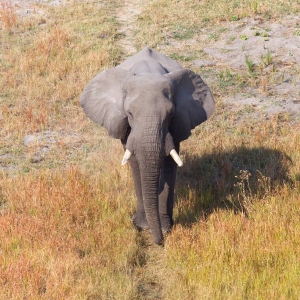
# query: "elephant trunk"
{"points": [[150, 185], [150, 154], [154, 145]]}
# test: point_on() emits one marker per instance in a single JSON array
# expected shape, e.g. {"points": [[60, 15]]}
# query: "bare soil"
{"points": [[257, 39], [32, 7]]}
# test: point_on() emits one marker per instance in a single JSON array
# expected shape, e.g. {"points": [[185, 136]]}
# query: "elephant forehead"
{"points": [[147, 81], [148, 66]]}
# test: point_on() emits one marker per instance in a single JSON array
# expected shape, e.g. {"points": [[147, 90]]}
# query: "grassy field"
{"points": [[65, 201]]}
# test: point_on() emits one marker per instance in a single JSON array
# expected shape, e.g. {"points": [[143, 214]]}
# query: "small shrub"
{"points": [[249, 64]]}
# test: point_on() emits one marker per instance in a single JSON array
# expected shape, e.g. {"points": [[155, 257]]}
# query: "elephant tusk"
{"points": [[176, 157], [126, 157]]}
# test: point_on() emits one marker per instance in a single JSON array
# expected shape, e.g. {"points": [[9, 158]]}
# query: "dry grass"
{"points": [[165, 20], [237, 215], [47, 251], [62, 237], [45, 65], [48, 71], [8, 16], [65, 229]]}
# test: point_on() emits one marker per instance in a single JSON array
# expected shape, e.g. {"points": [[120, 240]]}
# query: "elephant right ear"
{"points": [[102, 101]]}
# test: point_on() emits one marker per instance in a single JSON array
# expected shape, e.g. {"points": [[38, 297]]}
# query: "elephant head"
{"points": [[151, 104]]}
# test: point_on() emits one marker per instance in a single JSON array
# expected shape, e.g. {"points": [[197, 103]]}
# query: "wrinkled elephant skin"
{"points": [[151, 104]]}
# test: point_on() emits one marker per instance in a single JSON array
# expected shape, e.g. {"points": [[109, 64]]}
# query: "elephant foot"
{"points": [[140, 222], [166, 223]]}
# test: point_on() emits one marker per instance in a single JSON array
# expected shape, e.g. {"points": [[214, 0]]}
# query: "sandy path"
{"points": [[127, 17]]}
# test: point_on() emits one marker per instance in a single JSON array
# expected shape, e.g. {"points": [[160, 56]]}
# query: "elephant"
{"points": [[150, 103]]}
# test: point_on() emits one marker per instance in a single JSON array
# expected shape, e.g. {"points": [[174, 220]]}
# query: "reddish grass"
{"points": [[8, 15]]}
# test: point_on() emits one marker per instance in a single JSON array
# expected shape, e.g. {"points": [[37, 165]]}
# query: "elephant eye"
{"points": [[167, 93], [129, 113]]}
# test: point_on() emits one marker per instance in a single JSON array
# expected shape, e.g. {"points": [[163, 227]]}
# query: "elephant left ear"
{"points": [[193, 101]]}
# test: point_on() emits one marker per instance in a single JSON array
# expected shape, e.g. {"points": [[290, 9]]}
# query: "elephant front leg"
{"points": [[166, 193], [139, 218]]}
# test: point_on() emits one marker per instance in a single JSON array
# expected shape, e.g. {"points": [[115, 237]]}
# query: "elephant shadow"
{"points": [[227, 180]]}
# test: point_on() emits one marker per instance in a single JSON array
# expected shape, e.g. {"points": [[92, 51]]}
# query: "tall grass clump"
{"points": [[249, 65], [8, 16]]}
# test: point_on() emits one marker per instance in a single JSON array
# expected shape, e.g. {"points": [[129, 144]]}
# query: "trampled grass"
{"points": [[65, 228]]}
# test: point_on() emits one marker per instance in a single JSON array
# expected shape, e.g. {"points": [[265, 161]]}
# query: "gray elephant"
{"points": [[151, 104]]}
